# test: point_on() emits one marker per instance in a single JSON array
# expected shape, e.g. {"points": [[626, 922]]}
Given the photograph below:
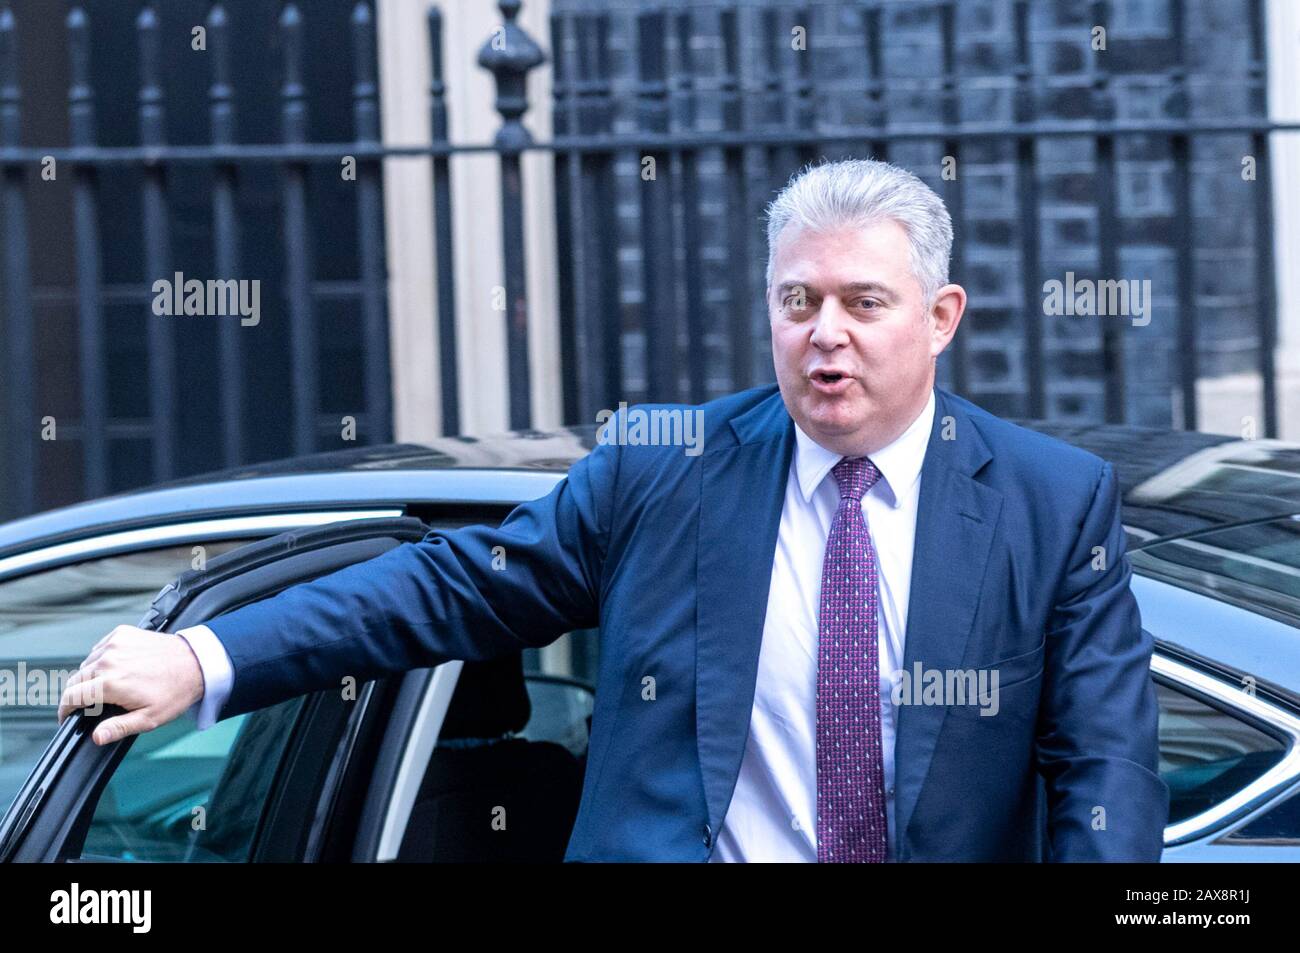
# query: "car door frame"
{"points": [[49, 818], [1223, 688]]}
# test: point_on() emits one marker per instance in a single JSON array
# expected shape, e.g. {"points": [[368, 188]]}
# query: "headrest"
{"points": [[490, 700]]}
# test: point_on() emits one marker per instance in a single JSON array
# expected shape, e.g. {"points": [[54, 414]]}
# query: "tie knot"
{"points": [[855, 475]]}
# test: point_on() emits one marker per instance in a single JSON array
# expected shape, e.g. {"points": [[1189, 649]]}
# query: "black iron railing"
{"points": [[769, 126]]}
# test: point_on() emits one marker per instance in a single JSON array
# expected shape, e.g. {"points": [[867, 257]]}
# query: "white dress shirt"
{"points": [[773, 812]]}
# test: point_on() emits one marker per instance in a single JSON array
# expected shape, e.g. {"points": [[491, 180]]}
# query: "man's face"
{"points": [[853, 347]]}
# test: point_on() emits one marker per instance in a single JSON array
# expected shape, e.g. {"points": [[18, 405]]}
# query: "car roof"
{"points": [[1178, 482], [503, 470], [1173, 482]]}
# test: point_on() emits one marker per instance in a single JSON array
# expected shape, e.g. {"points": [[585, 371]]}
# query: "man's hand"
{"points": [[154, 676]]}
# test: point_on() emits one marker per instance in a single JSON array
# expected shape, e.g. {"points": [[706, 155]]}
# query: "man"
{"points": [[796, 622]]}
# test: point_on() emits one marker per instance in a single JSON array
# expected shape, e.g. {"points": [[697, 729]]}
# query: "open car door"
{"points": [[266, 785]]}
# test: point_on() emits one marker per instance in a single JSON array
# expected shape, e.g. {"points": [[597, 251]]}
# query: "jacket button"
{"points": [[708, 836]]}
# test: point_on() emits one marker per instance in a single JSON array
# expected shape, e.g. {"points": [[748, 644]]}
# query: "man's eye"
{"points": [[868, 302]]}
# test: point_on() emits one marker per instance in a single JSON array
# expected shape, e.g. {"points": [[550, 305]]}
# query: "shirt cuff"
{"points": [[218, 673]]}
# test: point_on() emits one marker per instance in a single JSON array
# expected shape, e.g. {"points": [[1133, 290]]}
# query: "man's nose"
{"points": [[831, 328]]}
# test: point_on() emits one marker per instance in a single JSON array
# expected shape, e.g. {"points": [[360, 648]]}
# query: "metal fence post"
{"points": [[157, 250], [225, 236], [443, 236], [298, 267], [508, 55], [370, 231], [90, 310], [18, 397]]}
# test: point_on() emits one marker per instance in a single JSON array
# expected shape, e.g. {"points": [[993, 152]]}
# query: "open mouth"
{"points": [[830, 382]]}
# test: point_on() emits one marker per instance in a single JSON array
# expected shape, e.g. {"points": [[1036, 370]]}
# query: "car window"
{"points": [[1207, 755], [1254, 565], [561, 714], [1276, 826], [573, 655], [48, 622], [190, 796]]}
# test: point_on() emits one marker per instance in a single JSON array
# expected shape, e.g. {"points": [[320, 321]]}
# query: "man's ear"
{"points": [[945, 315]]}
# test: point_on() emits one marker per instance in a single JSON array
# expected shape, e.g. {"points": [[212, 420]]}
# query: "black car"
{"points": [[386, 771]]}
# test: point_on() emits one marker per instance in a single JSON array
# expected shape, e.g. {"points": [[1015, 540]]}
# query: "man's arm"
{"points": [[1098, 744], [474, 593]]}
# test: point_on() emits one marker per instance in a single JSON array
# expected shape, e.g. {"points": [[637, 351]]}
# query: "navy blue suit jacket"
{"points": [[671, 555]]}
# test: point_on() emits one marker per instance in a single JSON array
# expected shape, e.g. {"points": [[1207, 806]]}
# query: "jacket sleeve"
{"points": [[1098, 741], [473, 593]]}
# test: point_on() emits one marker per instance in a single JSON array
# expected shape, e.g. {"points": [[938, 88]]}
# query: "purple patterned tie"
{"points": [[850, 768]]}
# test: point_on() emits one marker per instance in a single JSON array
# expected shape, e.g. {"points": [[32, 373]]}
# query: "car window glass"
{"points": [[574, 655], [561, 714], [50, 619], [181, 795], [1207, 755], [1255, 565], [561, 679], [1278, 825]]}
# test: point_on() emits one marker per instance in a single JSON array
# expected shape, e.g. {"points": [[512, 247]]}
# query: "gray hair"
{"points": [[857, 193]]}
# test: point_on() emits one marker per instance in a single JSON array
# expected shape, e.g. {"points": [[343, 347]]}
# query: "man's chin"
{"points": [[834, 416]]}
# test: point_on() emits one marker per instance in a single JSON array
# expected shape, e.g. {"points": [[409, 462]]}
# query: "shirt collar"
{"points": [[899, 463]]}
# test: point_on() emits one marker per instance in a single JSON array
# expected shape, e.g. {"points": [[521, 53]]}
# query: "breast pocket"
{"points": [[1018, 668], [1007, 687]]}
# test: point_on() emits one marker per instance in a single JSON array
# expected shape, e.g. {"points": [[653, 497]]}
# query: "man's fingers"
{"points": [[79, 693], [120, 726], [100, 647], [97, 649], [95, 655]]}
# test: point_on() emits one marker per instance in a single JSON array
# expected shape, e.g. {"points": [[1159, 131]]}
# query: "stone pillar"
{"points": [[408, 210]]}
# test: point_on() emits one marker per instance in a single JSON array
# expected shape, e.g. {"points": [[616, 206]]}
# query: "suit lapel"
{"points": [[955, 522], [742, 493]]}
